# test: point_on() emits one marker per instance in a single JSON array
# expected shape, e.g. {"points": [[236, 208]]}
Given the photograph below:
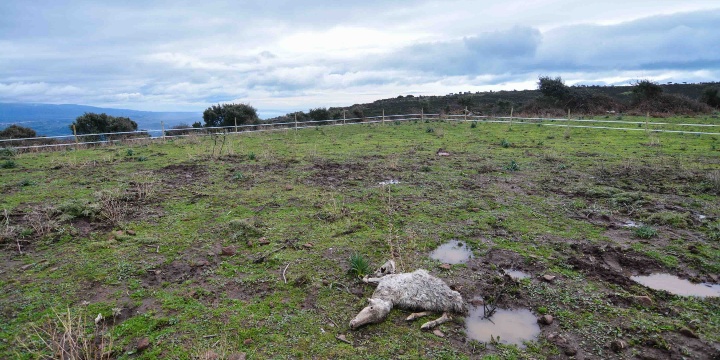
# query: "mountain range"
{"points": [[55, 120]]}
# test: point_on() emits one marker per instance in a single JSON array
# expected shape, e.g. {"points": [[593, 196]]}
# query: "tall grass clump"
{"points": [[359, 267]]}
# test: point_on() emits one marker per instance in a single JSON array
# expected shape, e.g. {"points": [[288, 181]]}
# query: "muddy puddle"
{"points": [[677, 286], [452, 252], [516, 274], [505, 326]]}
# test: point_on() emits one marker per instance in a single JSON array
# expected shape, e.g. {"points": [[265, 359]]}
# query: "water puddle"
{"points": [[389, 182], [452, 252], [516, 274], [677, 286], [505, 326], [631, 224]]}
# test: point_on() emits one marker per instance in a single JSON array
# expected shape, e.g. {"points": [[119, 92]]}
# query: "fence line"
{"points": [[119, 137]]}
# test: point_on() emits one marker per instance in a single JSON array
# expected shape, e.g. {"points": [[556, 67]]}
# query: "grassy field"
{"points": [[213, 248]]}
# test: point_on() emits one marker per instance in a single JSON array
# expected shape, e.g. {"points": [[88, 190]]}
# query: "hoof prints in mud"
{"points": [[612, 264]]}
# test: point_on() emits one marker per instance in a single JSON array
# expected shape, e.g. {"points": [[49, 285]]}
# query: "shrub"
{"points": [[504, 143], [711, 97], [17, 132], [645, 232], [229, 114], [8, 164], [646, 90], [512, 166]]}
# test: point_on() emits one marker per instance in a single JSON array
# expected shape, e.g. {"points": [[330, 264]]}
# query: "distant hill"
{"points": [[487, 103], [54, 120]]}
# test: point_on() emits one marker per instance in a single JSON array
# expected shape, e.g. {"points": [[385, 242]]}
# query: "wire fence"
{"points": [[64, 141]]}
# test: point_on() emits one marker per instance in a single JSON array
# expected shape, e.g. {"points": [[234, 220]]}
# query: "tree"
{"points": [[319, 114], [646, 90], [228, 114], [553, 88], [711, 96], [92, 123], [17, 132]]}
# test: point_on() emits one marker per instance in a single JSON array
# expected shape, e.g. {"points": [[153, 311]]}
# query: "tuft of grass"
{"points": [[238, 176], [359, 267], [430, 130], [512, 166], [252, 156], [645, 232], [504, 143], [66, 336], [473, 124], [8, 164]]}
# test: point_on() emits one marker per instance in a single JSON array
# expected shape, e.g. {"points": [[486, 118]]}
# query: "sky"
{"points": [[282, 56]]}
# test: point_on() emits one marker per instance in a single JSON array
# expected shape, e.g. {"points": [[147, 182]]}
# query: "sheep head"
{"points": [[375, 312]]}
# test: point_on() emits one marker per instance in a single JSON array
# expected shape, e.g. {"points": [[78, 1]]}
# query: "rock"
{"points": [[643, 300], [131, 232], [25, 267], [201, 263], [549, 278], [237, 356], [143, 344], [248, 341], [210, 355], [228, 251], [250, 243], [618, 345], [308, 245], [476, 302], [263, 241], [98, 319], [570, 351], [546, 319], [438, 333], [445, 266], [288, 187], [687, 332]]}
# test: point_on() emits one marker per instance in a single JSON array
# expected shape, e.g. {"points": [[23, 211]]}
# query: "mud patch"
{"points": [[336, 174], [612, 264], [452, 252], [504, 326], [678, 286]]}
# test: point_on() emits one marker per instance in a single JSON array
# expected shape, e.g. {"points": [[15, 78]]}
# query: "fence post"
{"points": [[465, 114], [422, 114], [647, 115], [76, 138], [162, 127], [383, 116], [236, 124], [295, 121], [511, 115]]}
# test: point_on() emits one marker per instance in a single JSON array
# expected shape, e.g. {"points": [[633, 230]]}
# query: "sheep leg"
{"points": [[414, 316], [371, 280], [441, 320]]}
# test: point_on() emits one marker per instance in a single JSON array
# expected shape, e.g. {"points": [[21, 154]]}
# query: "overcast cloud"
{"points": [[282, 56]]}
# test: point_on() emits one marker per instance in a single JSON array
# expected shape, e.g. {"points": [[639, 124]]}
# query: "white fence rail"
{"points": [[110, 138]]}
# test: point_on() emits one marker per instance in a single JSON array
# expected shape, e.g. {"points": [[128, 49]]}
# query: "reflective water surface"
{"points": [[677, 286], [452, 252], [505, 326]]}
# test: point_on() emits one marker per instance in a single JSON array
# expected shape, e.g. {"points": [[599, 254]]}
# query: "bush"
{"points": [[92, 123], [646, 90], [553, 88], [645, 232], [711, 97], [359, 267], [17, 132]]}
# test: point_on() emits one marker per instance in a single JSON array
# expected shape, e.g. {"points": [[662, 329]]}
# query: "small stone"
{"points": [[263, 241], [143, 344], [475, 209], [131, 232], [98, 319], [228, 251], [210, 355], [570, 351], [546, 319], [288, 187], [549, 278], [308, 245], [618, 345], [202, 263], [644, 300], [445, 266], [237, 356], [438, 333], [477, 302], [687, 332], [53, 269], [25, 267], [249, 243], [248, 341]]}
